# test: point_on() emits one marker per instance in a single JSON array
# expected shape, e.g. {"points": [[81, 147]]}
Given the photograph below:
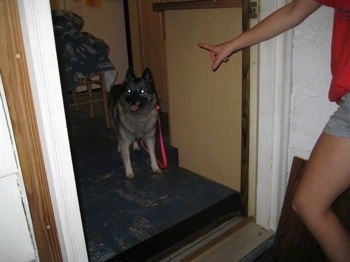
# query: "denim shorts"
{"points": [[339, 122]]}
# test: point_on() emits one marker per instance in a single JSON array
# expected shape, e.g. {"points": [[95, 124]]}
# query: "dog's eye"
{"points": [[142, 91], [129, 91]]}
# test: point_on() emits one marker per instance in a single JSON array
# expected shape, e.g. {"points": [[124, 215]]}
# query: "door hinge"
{"points": [[253, 10]]}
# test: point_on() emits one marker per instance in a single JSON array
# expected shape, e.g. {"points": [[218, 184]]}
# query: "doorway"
{"points": [[96, 172]]}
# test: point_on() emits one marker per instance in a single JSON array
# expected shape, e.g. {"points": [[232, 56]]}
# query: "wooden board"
{"points": [[151, 30], [205, 107], [239, 239]]}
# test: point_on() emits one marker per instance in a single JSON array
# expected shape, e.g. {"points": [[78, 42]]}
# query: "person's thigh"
{"points": [[327, 174]]}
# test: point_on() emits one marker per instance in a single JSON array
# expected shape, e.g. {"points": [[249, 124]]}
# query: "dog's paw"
{"points": [[130, 176], [157, 170]]}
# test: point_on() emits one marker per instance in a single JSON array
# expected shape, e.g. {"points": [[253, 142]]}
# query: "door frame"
{"points": [[51, 125], [17, 90], [273, 114], [60, 202]]}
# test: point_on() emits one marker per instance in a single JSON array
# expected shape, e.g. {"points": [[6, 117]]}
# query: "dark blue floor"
{"points": [[123, 218]]}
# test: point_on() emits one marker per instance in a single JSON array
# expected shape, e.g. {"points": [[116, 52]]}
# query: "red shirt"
{"points": [[340, 56]]}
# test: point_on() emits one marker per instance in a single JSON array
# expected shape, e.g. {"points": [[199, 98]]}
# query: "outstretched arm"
{"points": [[278, 22]]}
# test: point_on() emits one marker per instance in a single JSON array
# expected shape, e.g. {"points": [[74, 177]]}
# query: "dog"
{"points": [[134, 115]]}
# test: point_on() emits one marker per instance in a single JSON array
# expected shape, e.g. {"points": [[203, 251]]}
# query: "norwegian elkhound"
{"points": [[134, 116]]}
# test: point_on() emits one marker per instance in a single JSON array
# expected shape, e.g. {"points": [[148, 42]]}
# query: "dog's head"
{"points": [[139, 92]]}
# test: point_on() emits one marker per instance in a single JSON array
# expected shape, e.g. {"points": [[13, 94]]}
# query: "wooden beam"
{"points": [[201, 4], [245, 115]]}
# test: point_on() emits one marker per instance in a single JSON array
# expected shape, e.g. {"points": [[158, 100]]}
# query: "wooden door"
{"points": [[205, 107]]}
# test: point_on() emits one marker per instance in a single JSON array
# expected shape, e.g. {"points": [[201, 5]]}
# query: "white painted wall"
{"points": [[310, 107]]}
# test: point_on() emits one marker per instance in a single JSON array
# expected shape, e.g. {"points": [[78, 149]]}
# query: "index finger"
{"points": [[206, 46]]}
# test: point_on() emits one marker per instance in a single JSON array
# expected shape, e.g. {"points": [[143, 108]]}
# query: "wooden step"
{"points": [[239, 239]]}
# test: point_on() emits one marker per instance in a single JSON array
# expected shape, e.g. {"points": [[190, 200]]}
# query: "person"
{"points": [[327, 174]]}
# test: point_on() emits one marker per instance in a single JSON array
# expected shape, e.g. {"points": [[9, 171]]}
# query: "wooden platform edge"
{"points": [[239, 239]]}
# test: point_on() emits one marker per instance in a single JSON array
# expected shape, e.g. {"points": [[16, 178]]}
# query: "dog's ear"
{"points": [[129, 75], [147, 76]]}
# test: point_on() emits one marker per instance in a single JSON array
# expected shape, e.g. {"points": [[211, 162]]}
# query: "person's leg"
{"points": [[326, 176]]}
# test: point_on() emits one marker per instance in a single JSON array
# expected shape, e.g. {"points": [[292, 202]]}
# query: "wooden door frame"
{"points": [[245, 124], [265, 116], [274, 95], [13, 67], [248, 171], [33, 92], [19, 94], [50, 127]]}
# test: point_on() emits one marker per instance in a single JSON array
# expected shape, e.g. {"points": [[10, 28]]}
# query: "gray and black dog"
{"points": [[134, 116]]}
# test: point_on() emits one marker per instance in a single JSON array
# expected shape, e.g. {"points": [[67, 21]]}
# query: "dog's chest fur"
{"points": [[135, 123]]}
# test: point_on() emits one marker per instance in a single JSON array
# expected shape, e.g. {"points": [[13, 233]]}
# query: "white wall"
{"points": [[310, 107]]}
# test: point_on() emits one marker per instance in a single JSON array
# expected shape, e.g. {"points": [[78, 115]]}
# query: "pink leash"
{"points": [[163, 164]]}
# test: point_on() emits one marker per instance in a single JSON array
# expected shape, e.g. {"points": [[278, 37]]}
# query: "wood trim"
{"points": [[217, 240], [201, 4], [245, 115], [128, 33], [274, 63], [13, 67]]}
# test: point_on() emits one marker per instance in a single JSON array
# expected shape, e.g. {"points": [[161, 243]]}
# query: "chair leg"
{"points": [[91, 104], [68, 115], [105, 100], [75, 100], [91, 99]]}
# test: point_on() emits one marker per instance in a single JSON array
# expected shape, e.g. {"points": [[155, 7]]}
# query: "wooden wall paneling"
{"points": [[168, 5], [205, 106], [151, 29], [135, 42], [17, 88], [182, 5]]}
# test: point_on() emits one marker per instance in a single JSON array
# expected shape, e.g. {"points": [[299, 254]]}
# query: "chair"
{"points": [[88, 97], [83, 61]]}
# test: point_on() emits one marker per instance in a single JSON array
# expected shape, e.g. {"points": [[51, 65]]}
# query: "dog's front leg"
{"points": [[125, 154], [150, 142]]}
